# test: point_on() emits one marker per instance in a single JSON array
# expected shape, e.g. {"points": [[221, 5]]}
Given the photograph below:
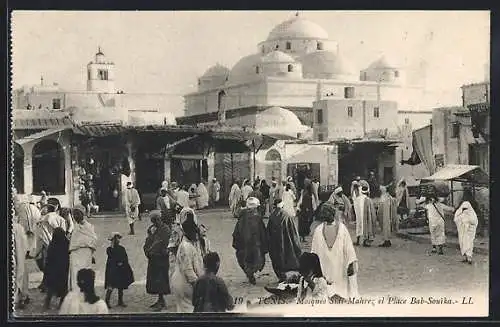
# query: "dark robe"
{"points": [[284, 244], [56, 271], [118, 271], [265, 190], [305, 214], [156, 250], [210, 294], [250, 241]]}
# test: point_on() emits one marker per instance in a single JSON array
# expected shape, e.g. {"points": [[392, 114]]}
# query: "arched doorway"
{"points": [[48, 168], [273, 165], [18, 168]]}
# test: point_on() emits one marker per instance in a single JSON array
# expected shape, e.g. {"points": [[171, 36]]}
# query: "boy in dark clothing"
{"points": [[118, 274], [210, 293]]}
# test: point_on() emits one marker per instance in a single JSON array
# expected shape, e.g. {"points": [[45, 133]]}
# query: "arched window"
{"points": [[220, 100], [18, 168], [289, 45], [48, 167], [221, 106], [257, 69], [290, 68], [273, 155]]}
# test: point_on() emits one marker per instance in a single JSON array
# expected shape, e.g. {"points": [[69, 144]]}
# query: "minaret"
{"points": [[100, 74]]}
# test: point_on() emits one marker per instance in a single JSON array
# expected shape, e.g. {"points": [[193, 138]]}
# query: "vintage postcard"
{"points": [[278, 163]]}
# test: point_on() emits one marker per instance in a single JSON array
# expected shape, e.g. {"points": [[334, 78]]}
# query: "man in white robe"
{"points": [[29, 216], [365, 216], [132, 202], [333, 245], [235, 198], [82, 246], [202, 200], [246, 190], [20, 269], [183, 196], [466, 221], [386, 214]]}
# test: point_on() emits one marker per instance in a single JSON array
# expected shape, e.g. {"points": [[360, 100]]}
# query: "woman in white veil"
{"points": [[202, 200]]}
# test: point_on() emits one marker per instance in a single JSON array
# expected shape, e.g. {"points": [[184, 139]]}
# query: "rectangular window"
{"points": [[103, 74], [407, 121], [320, 137], [376, 112], [455, 131], [396, 73], [349, 92], [349, 111], [319, 116], [56, 103], [319, 46], [289, 45]]}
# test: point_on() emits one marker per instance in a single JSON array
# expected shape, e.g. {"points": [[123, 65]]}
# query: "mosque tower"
{"points": [[101, 74]]}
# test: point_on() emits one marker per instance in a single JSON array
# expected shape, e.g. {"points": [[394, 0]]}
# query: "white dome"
{"points": [[384, 63], [324, 63], [244, 67], [216, 71], [277, 57], [279, 121], [297, 28]]}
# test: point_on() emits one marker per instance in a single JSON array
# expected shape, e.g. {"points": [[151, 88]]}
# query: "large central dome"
{"points": [[297, 27]]}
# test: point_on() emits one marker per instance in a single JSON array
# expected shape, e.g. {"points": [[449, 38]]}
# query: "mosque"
{"points": [[299, 84]]}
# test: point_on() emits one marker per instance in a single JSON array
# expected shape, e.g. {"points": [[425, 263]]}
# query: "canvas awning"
{"points": [[460, 173], [39, 135]]}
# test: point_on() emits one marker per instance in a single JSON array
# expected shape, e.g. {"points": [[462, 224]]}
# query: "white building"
{"points": [[291, 67], [100, 102]]}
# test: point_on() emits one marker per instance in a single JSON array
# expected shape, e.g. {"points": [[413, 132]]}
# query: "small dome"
{"points": [[277, 57], [383, 63], [244, 67], [216, 71], [325, 62], [297, 27], [278, 121]]}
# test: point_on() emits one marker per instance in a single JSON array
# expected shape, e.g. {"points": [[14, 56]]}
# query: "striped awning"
{"points": [[99, 130], [41, 123]]}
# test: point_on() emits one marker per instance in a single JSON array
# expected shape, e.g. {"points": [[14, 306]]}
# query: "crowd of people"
{"points": [[181, 262]]}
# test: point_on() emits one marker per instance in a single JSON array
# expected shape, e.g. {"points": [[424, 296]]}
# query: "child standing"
{"points": [[210, 293], [118, 274]]}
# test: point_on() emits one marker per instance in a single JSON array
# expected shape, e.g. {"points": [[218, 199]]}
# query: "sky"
{"points": [[165, 52]]}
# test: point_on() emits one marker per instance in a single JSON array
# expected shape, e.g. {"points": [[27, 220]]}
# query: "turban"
{"points": [[252, 202], [338, 190], [364, 189], [155, 215]]}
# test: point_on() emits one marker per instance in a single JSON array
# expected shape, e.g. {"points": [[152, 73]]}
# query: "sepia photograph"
{"points": [[250, 163]]}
